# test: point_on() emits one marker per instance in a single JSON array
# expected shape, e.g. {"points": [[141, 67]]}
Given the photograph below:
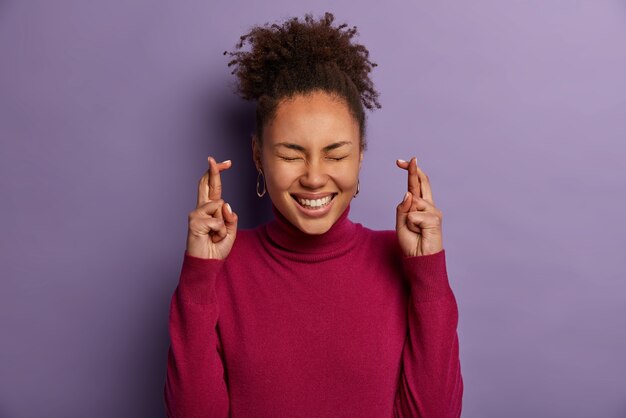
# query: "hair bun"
{"points": [[284, 57]]}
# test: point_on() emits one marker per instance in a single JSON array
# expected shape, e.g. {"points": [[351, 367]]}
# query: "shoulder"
{"points": [[384, 240], [381, 236], [247, 240], [246, 252], [381, 252]]}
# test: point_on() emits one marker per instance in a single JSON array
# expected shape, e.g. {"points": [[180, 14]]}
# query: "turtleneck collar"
{"points": [[296, 244]]}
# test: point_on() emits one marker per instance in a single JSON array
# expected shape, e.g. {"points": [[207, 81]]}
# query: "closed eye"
{"points": [[338, 158], [289, 158]]}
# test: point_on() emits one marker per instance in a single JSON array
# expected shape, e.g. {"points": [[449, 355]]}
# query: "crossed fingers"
{"points": [[418, 182], [210, 184]]}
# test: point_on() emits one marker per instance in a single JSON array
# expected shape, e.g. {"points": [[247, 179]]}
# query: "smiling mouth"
{"points": [[313, 204]]}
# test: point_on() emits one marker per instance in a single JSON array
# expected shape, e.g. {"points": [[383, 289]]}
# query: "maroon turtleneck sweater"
{"points": [[340, 324]]}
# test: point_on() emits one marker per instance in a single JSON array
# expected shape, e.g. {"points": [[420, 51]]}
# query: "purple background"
{"points": [[515, 109]]}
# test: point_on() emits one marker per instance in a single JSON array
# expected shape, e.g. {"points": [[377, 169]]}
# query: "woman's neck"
{"points": [[290, 239]]}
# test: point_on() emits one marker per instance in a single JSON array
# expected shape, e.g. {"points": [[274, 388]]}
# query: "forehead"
{"points": [[313, 118]]}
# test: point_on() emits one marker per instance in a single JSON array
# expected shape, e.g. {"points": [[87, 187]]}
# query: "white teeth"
{"points": [[316, 203]]}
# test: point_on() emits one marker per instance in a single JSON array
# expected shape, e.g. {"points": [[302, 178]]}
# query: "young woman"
{"points": [[311, 314]]}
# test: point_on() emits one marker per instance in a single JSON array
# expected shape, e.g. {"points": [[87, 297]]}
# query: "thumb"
{"points": [[403, 209], [230, 220]]}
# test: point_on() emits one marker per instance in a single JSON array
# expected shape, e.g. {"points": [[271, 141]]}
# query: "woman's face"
{"points": [[311, 151]]}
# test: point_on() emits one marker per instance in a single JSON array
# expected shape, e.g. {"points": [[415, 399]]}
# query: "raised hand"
{"points": [[212, 224], [418, 221]]}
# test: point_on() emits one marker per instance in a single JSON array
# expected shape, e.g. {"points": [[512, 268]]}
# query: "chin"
{"points": [[315, 227]]}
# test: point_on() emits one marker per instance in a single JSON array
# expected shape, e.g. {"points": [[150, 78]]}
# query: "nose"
{"points": [[314, 176]]}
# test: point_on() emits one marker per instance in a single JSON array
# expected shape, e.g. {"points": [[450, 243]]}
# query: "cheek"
{"points": [[282, 177], [346, 176]]}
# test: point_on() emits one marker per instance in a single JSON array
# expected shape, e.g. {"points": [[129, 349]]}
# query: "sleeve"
{"points": [[430, 382], [194, 384]]}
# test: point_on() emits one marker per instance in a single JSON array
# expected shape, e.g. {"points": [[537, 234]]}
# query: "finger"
{"points": [[425, 184], [203, 190], [211, 208], [402, 210], [415, 221], [405, 165], [215, 181], [419, 204], [210, 225], [413, 181], [423, 220], [203, 184], [405, 205], [422, 178], [215, 190], [218, 228], [215, 225], [230, 219], [402, 164], [413, 227]]}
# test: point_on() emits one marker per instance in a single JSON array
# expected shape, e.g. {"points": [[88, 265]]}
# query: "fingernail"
{"points": [[406, 196], [402, 161], [229, 209], [224, 162]]}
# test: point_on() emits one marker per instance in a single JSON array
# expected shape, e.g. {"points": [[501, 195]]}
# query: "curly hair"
{"points": [[300, 57]]}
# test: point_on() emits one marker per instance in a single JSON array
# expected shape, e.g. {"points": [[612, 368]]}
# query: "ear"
{"points": [[256, 152], [361, 160]]}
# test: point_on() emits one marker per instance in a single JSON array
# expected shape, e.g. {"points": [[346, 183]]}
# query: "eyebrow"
{"points": [[301, 148]]}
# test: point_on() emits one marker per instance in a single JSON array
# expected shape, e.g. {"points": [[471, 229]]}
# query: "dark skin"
{"points": [[213, 224], [418, 220]]}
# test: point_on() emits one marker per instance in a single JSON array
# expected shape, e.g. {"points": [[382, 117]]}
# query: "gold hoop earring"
{"points": [[257, 184], [358, 187]]}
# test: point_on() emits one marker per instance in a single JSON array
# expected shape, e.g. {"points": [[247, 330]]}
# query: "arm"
{"points": [[430, 382], [194, 383]]}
